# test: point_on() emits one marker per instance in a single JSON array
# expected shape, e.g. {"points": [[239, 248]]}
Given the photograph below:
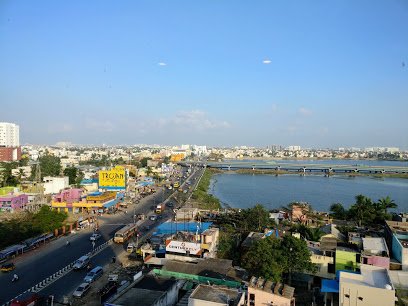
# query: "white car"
{"points": [[95, 237], [81, 290], [153, 217]]}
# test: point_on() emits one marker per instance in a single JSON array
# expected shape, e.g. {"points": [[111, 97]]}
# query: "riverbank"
{"points": [[201, 198]]}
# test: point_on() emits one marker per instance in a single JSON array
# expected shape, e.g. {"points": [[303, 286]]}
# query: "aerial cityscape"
{"points": [[174, 153]]}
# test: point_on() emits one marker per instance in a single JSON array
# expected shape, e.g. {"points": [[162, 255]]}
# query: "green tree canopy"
{"points": [[50, 166], [271, 258], [47, 220], [337, 211], [71, 172]]}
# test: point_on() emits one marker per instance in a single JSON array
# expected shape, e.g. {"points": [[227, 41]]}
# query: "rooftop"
{"points": [[370, 276], [216, 294], [375, 246], [271, 287]]}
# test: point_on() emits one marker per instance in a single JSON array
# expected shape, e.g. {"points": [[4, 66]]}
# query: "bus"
{"points": [[122, 235]]}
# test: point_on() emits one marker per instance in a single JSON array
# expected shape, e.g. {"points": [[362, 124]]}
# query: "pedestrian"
{"points": [[113, 259], [125, 211]]}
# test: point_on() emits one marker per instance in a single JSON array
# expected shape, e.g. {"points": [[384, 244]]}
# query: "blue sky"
{"points": [[309, 73]]}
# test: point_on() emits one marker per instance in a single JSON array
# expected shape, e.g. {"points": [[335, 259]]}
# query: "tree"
{"points": [[272, 257], [143, 162], [362, 210], [337, 211], [265, 258], [47, 220], [310, 233], [387, 203], [257, 218], [71, 172], [50, 166], [297, 256]]}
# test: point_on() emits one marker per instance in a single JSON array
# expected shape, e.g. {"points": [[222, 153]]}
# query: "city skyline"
{"points": [[221, 74]]}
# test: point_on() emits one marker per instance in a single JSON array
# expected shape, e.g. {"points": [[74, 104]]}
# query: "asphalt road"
{"points": [[36, 265]]}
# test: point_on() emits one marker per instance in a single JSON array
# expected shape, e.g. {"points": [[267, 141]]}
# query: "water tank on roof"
{"points": [[388, 287]]}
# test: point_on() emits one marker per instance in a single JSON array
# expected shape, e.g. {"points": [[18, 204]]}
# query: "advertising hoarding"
{"points": [[184, 247], [112, 179]]}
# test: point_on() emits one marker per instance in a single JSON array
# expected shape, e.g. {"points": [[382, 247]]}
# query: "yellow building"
{"points": [[177, 157], [96, 201]]}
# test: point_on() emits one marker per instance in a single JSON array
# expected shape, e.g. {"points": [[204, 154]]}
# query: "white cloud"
{"points": [[266, 61], [162, 64], [304, 111]]}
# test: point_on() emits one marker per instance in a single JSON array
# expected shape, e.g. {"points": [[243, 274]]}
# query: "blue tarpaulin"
{"points": [[110, 203], [173, 227], [329, 285]]}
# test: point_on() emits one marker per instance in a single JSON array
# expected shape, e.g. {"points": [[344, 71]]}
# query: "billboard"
{"points": [[112, 179], [184, 247]]}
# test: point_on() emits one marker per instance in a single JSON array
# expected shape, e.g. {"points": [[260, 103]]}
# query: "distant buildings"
{"points": [[10, 149]]}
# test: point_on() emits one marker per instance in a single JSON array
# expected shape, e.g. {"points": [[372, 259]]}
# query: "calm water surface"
{"points": [[245, 190]]}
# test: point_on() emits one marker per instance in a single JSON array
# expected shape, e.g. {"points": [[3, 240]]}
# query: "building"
{"points": [[150, 291], [64, 200], [204, 295], [396, 236], [10, 149], [9, 135], [372, 286], [53, 185], [13, 202], [347, 259], [375, 252], [262, 292], [98, 202]]}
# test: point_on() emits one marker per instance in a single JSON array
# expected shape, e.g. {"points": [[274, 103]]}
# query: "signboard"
{"points": [[112, 179], [184, 247]]}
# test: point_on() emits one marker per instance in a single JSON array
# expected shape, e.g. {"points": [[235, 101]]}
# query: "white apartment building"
{"points": [[9, 134]]}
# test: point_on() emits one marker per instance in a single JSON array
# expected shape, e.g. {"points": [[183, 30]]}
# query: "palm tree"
{"points": [[362, 208], [386, 203]]}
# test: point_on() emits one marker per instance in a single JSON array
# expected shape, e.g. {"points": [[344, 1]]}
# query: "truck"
{"points": [[160, 208]]}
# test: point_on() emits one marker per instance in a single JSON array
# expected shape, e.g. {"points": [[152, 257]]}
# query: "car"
{"points": [[81, 262], [94, 274], [153, 217], [7, 267], [95, 237], [170, 205], [81, 290]]}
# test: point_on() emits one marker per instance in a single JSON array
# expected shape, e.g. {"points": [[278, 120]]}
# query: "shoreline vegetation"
{"points": [[202, 199]]}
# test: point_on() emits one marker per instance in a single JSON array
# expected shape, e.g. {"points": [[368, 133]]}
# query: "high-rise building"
{"points": [[9, 135], [10, 149]]}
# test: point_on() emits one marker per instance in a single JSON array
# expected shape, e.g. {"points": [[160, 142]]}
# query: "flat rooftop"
{"points": [[216, 294], [137, 297], [370, 276], [375, 245]]}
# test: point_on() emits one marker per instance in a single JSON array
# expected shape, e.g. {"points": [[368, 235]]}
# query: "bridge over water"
{"points": [[296, 168]]}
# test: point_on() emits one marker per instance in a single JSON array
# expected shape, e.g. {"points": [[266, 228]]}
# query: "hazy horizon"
{"points": [[316, 74]]}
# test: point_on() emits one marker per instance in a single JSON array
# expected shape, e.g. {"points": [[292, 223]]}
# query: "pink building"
{"points": [[69, 196], [378, 261], [12, 202], [375, 252]]}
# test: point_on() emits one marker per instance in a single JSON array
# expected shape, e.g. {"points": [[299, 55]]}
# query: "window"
{"points": [[252, 299]]}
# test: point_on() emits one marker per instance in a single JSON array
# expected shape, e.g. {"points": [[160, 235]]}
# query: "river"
{"points": [[246, 190]]}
